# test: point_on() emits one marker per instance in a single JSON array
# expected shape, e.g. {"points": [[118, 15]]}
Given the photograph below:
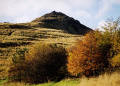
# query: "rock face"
{"points": [[58, 20]]}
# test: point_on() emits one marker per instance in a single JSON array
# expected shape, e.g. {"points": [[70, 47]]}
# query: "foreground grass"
{"points": [[2, 82], [103, 80], [61, 83]]}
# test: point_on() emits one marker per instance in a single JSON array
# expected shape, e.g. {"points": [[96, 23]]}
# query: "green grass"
{"points": [[60, 83], [45, 84], [2, 82]]}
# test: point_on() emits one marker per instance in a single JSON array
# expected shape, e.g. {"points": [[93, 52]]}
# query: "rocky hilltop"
{"points": [[60, 21]]}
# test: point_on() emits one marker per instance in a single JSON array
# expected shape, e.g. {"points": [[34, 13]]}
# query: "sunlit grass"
{"points": [[102, 80]]}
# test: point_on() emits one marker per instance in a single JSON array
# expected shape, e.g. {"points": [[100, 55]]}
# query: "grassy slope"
{"points": [[13, 36]]}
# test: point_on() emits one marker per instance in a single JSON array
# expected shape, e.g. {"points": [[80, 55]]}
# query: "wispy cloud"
{"points": [[89, 12], [105, 6], [33, 8]]}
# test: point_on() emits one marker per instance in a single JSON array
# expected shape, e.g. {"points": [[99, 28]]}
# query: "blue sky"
{"points": [[92, 13]]}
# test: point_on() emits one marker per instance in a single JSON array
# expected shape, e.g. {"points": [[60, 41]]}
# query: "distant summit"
{"points": [[54, 14], [58, 20]]}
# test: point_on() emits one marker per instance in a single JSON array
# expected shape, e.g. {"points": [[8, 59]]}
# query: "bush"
{"points": [[20, 72], [115, 61], [86, 57], [17, 65], [112, 32], [43, 62], [46, 61], [19, 55]]}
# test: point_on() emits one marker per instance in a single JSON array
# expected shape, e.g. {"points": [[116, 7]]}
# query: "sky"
{"points": [[92, 13]]}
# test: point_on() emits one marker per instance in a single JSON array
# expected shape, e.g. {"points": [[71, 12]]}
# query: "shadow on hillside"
{"points": [[13, 44]]}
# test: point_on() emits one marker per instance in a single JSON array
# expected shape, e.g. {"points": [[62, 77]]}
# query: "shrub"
{"points": [[19, 55], [46, 61], [86, 57], [115, 61], [19, 72], [43, 62], [112, 32], [17, 65]]}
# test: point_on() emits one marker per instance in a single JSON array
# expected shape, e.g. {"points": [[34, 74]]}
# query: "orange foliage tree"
{"points": [[86, 57]]}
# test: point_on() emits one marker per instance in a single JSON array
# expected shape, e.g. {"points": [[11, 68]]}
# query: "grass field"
{"points": [[102, 80], [67, 82]]}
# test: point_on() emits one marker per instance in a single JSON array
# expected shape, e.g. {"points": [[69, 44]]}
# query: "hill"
{"points": [[58, 20]]}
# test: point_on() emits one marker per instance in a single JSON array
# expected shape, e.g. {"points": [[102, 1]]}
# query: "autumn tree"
{"points": [[86, 57]]}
